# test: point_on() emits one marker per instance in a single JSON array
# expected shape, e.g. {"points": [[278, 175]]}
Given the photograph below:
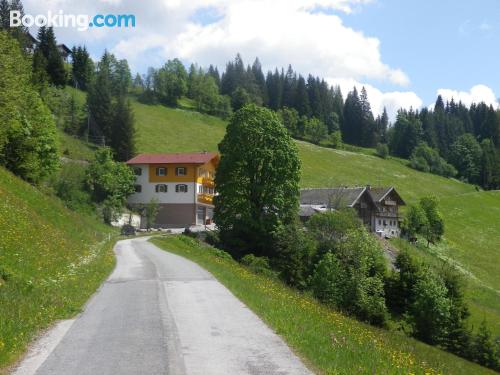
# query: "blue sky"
{"points": [[452, 44], [405, 52]]}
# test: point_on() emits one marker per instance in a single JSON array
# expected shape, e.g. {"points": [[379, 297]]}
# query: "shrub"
{"points": [[292, 255], [426, 159], [382, 150], [350, 278], [430, 311], [212, 237], [259, 265]]}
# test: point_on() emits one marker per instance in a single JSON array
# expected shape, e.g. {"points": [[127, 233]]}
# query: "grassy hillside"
{"points": [[326, 340], [472, 235], [51, 261]]}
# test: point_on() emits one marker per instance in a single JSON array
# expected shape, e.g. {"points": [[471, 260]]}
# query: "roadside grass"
{"points": [[51, 261], [328, 342]]}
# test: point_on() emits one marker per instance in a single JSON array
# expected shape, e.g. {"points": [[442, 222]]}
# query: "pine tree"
{"points": [[4, 15], [99, 98], [353, 118], [214, 72], [123, 130], [55, 65], [367, 126], [289, 88], [302, 98], [259, 80], [82, 68]]}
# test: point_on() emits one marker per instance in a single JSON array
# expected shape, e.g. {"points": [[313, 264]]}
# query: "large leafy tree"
{"points": [[28, 140], [170, 82], [257, 181]]}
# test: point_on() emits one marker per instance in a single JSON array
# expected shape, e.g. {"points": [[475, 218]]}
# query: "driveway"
{"points": [[159, 313]]}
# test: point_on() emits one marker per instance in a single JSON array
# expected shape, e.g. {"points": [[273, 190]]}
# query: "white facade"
{"points": [[386, 227]]}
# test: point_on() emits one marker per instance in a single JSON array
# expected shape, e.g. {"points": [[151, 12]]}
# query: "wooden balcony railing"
{"points": [[205, 198]]}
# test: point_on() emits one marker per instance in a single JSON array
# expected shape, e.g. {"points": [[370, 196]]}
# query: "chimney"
{"points": [[368, 187]]}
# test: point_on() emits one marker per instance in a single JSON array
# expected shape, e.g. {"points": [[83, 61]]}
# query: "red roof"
{"points": [[178, 158]]}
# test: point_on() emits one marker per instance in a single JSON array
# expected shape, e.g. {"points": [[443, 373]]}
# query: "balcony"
{"points": [[208, 182], [205, 198]]}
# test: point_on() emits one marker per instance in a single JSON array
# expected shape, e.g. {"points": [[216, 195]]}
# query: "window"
{"points": [[181, 188], [138, 188], [379, 222], [138, 171], [385, 223], [161, 171], [162, 188], [180, 171]]}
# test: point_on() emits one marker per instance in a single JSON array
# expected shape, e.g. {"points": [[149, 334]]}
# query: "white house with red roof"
{"points": [[181, 183]]}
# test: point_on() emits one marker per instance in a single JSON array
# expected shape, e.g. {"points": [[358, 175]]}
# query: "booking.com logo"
{"points": [[81, 21]]}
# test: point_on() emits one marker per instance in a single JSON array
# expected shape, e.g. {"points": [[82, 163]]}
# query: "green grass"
{"points": [[74, 148], [472, 218], [329, 342], [51, 261], [163, 129]]}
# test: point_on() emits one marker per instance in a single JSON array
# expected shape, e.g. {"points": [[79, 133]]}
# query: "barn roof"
{"points": [[339, 197], [174, 158]]}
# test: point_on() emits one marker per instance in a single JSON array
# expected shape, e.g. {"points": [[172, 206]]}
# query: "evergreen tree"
{"points": [[82, 68], [48, 47], [353, 118], [99, 98], [123, 131], [214, 72], [369, 137], [490, 165], [259, 80], [274, 86], [4, 14], [302, 97], [289, 88]]}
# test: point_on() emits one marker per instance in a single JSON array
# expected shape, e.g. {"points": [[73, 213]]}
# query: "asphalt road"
{"points": [[159, 313]]}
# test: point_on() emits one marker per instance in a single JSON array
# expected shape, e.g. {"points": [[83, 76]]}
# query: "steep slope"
{"points": [[51, 261], [472, 218]]}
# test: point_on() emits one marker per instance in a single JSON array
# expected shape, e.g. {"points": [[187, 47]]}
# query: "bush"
{"points": [[292, 255], [430, 311], [351, 277], [426, 159], [382, 150], [258, 265], [69, 184], [212, 237]]}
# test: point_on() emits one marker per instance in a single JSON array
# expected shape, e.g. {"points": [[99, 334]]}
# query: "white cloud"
{"points": [[280, 32], [477, 94]]}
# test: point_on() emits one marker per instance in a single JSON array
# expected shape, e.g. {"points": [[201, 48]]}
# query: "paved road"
{"points": [[159, 313]]}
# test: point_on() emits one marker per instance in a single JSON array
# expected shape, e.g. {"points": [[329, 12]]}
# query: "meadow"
{"points": [[472, 218], [328, 342], [51, 261]]}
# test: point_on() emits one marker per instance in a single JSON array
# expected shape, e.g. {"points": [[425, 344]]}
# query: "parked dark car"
{"points": [[128, 230]]}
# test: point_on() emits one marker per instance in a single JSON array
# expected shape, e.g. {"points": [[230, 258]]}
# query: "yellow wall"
{"points": [[170, 175], [191, 176]]}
